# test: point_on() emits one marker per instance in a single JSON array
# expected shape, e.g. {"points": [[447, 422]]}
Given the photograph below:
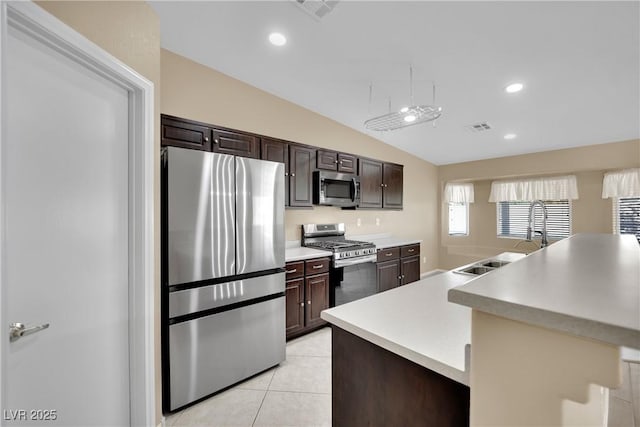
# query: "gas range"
{"points": [[331, 237]]}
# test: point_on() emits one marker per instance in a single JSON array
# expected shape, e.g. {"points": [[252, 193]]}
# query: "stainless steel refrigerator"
{"points": [[223, 280]]}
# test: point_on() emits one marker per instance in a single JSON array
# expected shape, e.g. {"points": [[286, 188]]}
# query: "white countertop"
{"points": [[414, 321], [388, 242], [301, 253], [587, 285]]}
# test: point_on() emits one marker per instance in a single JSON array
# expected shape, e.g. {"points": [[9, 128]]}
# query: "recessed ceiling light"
{"points": [[514, 87], [404, 109], [277, 39], [510, 136], [409, 118]]}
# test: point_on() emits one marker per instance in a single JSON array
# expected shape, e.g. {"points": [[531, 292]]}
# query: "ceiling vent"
{"points": [[318, 9], [478, 127]]}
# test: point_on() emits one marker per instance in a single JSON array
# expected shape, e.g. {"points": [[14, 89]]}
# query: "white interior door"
{"points": [[65, 178]]}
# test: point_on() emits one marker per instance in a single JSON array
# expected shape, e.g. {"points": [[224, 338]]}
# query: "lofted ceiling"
{"points": [[579, 62]]}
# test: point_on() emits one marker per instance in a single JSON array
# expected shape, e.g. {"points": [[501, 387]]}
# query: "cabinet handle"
{"points": [[309, 302], [313, 282], [388, 254], [315, 267], [293, 174], [336, 162], [215, 141], [292, 271], [206, 139], [286, 174], [302, 304], [411, 250], [381, 185]]}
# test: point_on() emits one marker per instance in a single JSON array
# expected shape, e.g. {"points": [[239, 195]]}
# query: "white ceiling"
{"points": [[579, 61]]}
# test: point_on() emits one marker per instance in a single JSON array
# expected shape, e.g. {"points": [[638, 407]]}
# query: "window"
{"points": [[458, 219], [513, 219], [626, 216]]}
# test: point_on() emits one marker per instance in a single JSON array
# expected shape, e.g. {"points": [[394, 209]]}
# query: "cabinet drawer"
{"points": [[388, 254], [294, 269], [316, 266], [409, 250]]}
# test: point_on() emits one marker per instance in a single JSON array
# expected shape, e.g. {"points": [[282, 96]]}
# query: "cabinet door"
{"points": [[370, 172], [295, 306], [317, 294], [347, 163], [409, 269], [301, 161], [236, 143], [392, 179], [277, 151], [185, 134], [388, 274], [327, 160]]}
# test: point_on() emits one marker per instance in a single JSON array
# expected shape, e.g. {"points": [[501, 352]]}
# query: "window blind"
{"points": [[626, 216], [513, 219]]}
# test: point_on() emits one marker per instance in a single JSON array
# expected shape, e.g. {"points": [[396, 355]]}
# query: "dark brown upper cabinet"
{"points": [[392, 189], [185, 134], [370, 172], [236, 143], [334, 161], [298, 162], [277, 151], [380, 184], [301, 162]]}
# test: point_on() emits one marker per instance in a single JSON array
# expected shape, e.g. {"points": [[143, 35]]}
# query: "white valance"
{"points": [[624, 183], [527, 190], [458, 192]]}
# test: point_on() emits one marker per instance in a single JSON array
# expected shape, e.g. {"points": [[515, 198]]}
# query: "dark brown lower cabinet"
{"points": [[387, 273], [398, 266], [317, 295], [372, 386], [307, 294], [295, 306], [409, 270]]}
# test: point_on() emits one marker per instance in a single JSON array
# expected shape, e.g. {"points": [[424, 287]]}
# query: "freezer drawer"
{"points": [[210, 353], [214, 296]]}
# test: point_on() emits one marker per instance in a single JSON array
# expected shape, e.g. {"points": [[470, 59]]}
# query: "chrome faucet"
{"points": [[544, 242]]}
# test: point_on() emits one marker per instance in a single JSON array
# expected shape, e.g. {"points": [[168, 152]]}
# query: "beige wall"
{"points": [[130, 31], [590, 213], [196, 92]]}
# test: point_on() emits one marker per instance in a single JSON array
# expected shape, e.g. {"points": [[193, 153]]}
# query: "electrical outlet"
{"points": [[358, 222], [378, 221]]}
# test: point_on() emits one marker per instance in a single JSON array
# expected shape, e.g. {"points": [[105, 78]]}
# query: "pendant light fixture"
{"points": [[407, 116]]}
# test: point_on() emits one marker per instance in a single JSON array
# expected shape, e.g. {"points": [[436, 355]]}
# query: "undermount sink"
{"points": [[481, 268], [495, 263]]}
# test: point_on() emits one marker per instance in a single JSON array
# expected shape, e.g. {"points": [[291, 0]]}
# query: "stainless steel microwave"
{"points": [[336, 189]]}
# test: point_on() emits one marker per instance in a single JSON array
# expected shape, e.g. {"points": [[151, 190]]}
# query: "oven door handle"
{"points": [[355, 190], [353, 261]]}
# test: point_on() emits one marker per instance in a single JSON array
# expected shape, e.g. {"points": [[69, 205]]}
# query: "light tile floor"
{"points": [[296, 393]]}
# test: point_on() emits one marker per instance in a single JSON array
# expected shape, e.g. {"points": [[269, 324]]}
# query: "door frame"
{"points": [[29, 18]]}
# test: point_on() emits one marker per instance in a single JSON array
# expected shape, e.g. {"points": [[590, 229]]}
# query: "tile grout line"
{"points": [[264, 397]]}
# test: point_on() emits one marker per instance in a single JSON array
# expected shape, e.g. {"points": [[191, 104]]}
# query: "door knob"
{"points": [[19, 330]]}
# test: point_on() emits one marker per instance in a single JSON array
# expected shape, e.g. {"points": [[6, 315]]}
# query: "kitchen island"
{"points": [[547, 331], [401, 357]]}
